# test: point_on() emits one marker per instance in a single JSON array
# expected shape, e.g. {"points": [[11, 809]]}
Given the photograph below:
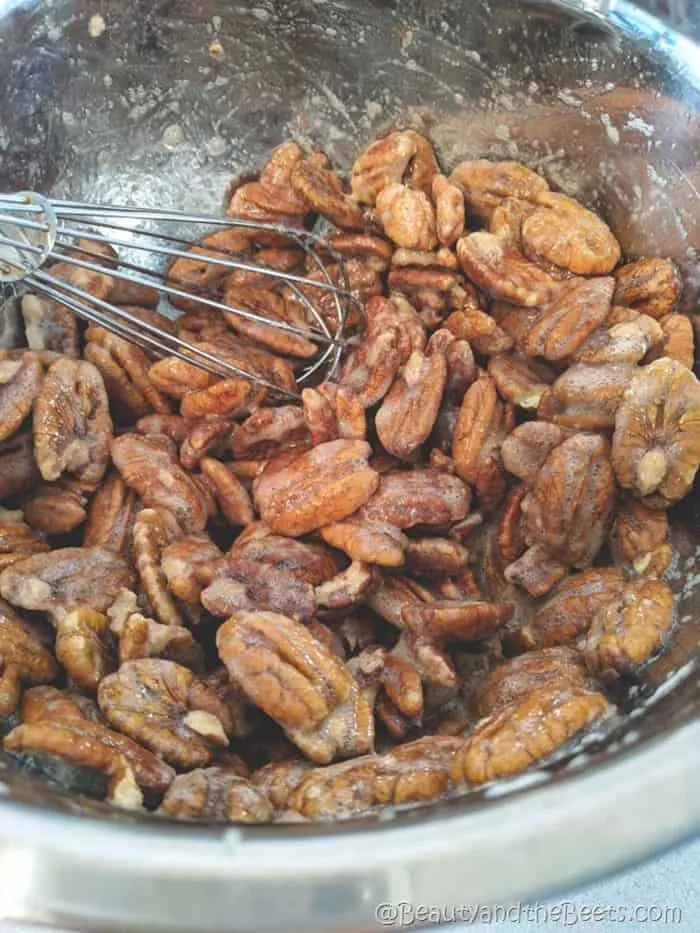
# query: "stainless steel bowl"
{"points": [[605, 100]]}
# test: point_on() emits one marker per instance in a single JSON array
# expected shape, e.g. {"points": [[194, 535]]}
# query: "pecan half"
{"points": [[378, 543], [332, 412], [323, 192], [18, 470], [307, 561], [23, 657], [233, 498], [154, 530], [49, 325], [72, 426], [243, 584], [385, 162], [319, 487], [17, 539], [20, 381], [165, 707], [268, 431], [564, 325], [407, 217], [656, 442], [586, 397], [526, 449], [487, 184], [503, 272], [265, 305], [215, 794], [650, 286], [111, 515], [369, 370], [677, 340], [625, 337], [639, 539], [523, 733], [519, 381], [449, 210], [140, 637], [81, 647], [417, 497]]}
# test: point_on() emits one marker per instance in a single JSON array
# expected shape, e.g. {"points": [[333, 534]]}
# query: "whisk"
{"points": [[35, 232]]}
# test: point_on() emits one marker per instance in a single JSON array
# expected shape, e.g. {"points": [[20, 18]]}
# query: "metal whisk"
{"points": [[35, 232]]}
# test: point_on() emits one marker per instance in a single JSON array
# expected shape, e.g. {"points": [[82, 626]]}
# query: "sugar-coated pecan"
{"points": [[176, 378], [227, 398], [154, 530], [639, 539], [324, 485], [49, 325], [244, 717], [216, 794], [520, 381], [55, 508], [332, 412], [165, 707], [18, 469], [396, 313], [521, 676], [66, 579], [264, 305], [233, 498], [650, 286], [523, 733], [198, 439], [125, 371], [189, 564], [40, 704], [677, 340], [418, 497], [20, 381], [278, 168], [368, 247], [461, 372], [369, 370], [568, 612], [242, 584], [23, 657], [629, 629], [308, 561], [449, 210], [346, 588], [291, 676], [507, 220], [656, 442], [155, 474], [72, 426], [480, 329], [570, 505], [410, 408], [111, 515], [323, 191], [141, 637], [416, 772], [503, 272], [625, 337], [526, 449], [436, 555], [269, 430], [407, 217], [564, 325], [266, 202], [563, 232], [18, 539], [586, 397], [487, 184], [536, 571], [81, 647], [370, 541], [385, 162]]}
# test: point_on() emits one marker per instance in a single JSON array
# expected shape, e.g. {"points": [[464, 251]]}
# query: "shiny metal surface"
{"points": [[605, 100]]}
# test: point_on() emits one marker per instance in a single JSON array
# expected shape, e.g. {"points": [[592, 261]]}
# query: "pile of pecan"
{"points": [[423, 577]]}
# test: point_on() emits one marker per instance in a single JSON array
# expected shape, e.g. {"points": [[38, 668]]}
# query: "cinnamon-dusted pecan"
{"points": [[268, 431], [410, 408], [308, 561], [111, 515], [332, 412], [20, 381], [154, 530], [49, 325], [23, 658], [296, 680], [323, 191], [526, 448], [189, 564], [242, 584], [487, 184], [449, 210], [407, 217], [66, 579], [629, 629], [82, 649], [18, 470], [125, 371], [347, 588], [656, 442], [564, 325], [416, 772], [215, 794], [570, 505], [523, 733], [650, 286], [165, 707], [18, 539], [397, 313], [323, 485], [521, 676], [563, 232], [503, 272], [677, 340], [520, 381], [72, 427], [480, 329], [625, 337], [482, 425], [417, 497], [586, 397], [140, 637], [385, 162], [369, 370], [232, 496], [568, 612], [264, 305], [370, 541], [55, 509], [154, 473], [639, 539]]}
